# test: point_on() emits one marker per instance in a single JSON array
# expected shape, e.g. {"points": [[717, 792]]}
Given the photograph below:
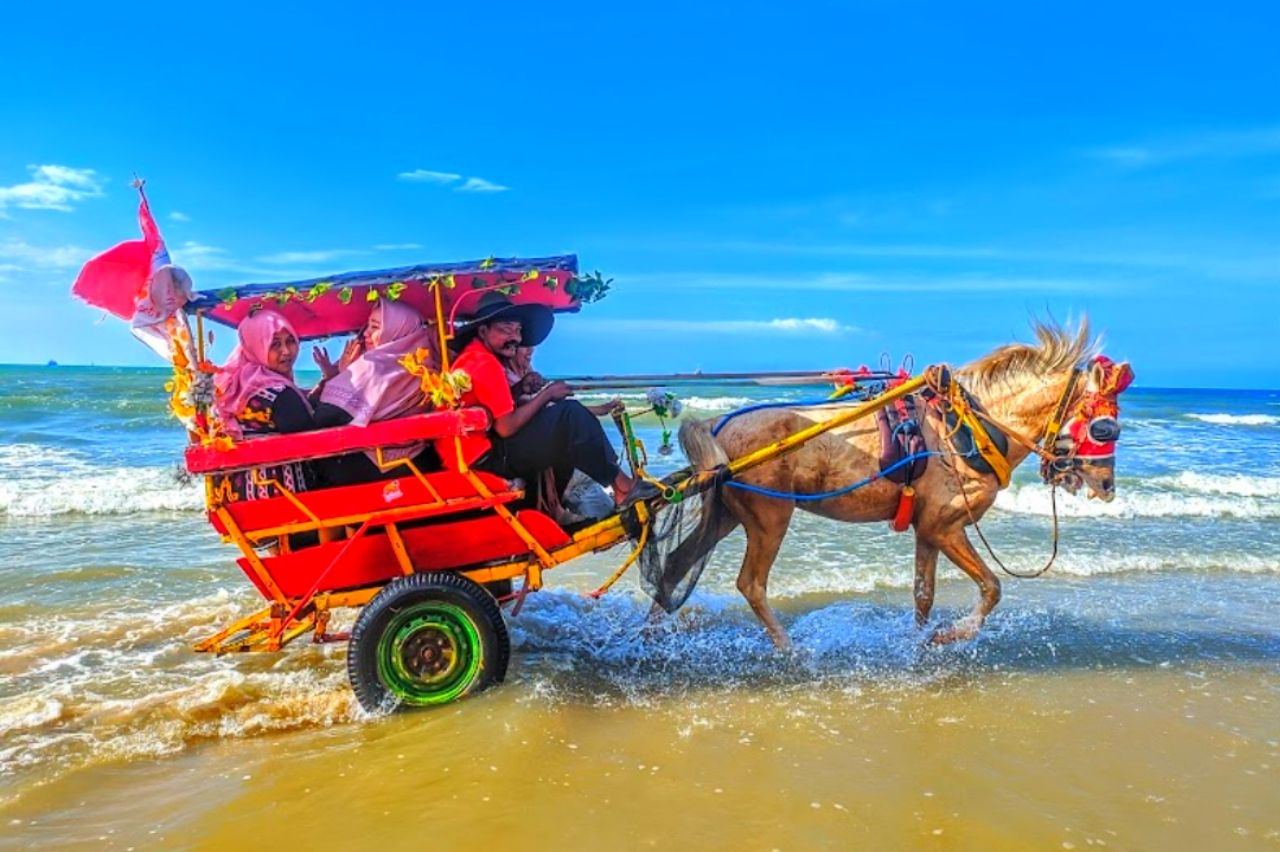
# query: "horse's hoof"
{"points": [[962, 631]]}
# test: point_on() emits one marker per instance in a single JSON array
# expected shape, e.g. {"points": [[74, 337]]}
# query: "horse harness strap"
{"points": [[963, 418]]}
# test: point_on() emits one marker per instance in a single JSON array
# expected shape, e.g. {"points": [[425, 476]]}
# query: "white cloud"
{"points": [[198, 257], [19, 256], [863, 283], [51, 188], [306, 257], [397, 246], [475, 184], [777, 326], [1129, 157], [428, 176], [1218, 144], [471, 184], [179, 216]]}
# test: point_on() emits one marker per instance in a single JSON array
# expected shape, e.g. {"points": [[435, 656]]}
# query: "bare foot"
{"points": [[622, 486]]}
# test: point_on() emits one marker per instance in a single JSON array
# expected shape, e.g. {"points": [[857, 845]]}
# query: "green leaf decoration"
{"points": [[344, 295], [588, 288], [487, 263], [317, 290], [396, 290], [531, 275], [228, 297], [450, 281], [372, 296]]}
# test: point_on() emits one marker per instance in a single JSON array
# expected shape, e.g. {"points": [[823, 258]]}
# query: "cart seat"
{"points": [[340, 440], [371, 559], [407, 497]]}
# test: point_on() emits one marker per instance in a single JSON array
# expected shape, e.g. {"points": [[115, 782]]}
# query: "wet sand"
{"points": [[1135, 757]]}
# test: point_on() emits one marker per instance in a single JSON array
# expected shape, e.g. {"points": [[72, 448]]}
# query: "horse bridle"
{"points": [[1084, 432]]}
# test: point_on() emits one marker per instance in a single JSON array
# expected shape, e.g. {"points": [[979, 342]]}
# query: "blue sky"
{"points": [[771, 186]]}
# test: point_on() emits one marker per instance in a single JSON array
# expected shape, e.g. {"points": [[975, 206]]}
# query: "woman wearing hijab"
{"points": [[376, 386], [255, 394]]}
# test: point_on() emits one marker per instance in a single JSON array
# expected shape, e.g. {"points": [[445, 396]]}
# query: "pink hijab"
{"points": [[246, 371], [376, 386]]}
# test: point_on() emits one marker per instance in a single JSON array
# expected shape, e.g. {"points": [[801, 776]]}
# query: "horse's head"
{"points": [[1085, 449]]}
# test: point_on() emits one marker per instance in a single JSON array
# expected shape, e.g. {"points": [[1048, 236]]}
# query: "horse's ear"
{"points": [[1097, 374], [1124, 376]]}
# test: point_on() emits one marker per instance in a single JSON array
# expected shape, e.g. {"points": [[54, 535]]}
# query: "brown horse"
{"points": [[1020, 386]]}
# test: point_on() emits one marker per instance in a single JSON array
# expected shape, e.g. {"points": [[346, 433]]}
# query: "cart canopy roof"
{"points": [[339, 304]]}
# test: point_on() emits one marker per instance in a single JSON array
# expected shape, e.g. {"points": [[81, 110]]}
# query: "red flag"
{"points": [[114, 279]]}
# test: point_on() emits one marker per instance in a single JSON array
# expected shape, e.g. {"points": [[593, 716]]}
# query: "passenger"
{"points": [[375, 386], [256, 395], [582, 498], [533, 436]]}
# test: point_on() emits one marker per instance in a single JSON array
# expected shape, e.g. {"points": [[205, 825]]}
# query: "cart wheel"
{"points": [[426, 639]]}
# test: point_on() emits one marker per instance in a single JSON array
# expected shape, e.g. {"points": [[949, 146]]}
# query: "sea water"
{"points": [[1129, 698]]}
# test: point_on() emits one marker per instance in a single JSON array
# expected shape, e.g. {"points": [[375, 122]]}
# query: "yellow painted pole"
{"points": [[769, 452]]}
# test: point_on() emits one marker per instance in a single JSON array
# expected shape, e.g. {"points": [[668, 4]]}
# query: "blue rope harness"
{"points": [[826, 495], [760, 406], [805, 498]]}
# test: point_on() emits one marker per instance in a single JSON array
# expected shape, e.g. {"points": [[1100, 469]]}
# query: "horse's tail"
{"points": [[684, 542], [700, 446]]}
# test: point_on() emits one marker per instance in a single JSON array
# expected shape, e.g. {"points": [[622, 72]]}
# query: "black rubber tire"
{"points": [[460, 602], [498, 588]]}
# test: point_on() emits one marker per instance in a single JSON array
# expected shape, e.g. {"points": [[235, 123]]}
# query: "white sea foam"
{"points": [[94, 684], [1143, 502], [1231, 484], [96, 491], [1237, 419]]}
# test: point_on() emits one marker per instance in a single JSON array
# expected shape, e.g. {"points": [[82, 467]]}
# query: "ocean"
{"points": [[1131, 697]]}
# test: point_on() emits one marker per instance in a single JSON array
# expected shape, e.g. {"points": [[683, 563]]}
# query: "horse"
{"points": [[1024, 390]]}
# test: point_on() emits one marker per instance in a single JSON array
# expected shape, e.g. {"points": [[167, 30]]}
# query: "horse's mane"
{"points": [[1058, 350]]}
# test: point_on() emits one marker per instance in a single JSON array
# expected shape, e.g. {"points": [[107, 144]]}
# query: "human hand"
{"points": [[321, 356], [556, 390], [353, 350], [532, 383]]}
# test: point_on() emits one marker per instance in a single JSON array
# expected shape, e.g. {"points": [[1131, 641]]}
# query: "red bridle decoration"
{"points": [[1095, 416]]}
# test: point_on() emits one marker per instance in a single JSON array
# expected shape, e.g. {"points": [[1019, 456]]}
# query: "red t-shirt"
{"points": [[489, 389]]}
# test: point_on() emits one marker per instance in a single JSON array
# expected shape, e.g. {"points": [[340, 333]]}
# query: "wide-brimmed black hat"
{"points": [[535, 320]]}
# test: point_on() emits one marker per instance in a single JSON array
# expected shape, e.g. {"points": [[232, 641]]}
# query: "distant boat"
{"points": [[52, 363]]}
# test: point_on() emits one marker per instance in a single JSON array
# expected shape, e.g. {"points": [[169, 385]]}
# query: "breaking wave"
{"points": [[1187, 494], [107, 491], [1237, 419]]}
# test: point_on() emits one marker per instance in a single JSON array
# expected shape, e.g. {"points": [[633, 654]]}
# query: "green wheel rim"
{"points": [[430, 653]]}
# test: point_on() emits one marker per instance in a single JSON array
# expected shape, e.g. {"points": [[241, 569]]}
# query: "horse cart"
{"points": [[431, 557]]}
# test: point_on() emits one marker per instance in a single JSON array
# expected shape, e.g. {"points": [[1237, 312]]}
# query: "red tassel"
{"points": [[906, 508]]}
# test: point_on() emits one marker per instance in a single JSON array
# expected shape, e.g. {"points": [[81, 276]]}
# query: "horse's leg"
{"points": [[926, 571], [957, 548], [765, 520]]}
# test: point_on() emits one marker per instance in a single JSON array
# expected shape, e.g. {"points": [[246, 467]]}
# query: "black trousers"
{"points": [[562, 436]]}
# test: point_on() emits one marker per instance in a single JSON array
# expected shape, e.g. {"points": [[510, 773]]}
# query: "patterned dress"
{"points": [[278, 409]]}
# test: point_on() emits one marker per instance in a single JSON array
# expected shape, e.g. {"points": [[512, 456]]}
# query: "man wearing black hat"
{"points": [[526, 439]]}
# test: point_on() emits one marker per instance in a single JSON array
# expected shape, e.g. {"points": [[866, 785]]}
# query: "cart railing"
{"points": [[339, 440]]}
